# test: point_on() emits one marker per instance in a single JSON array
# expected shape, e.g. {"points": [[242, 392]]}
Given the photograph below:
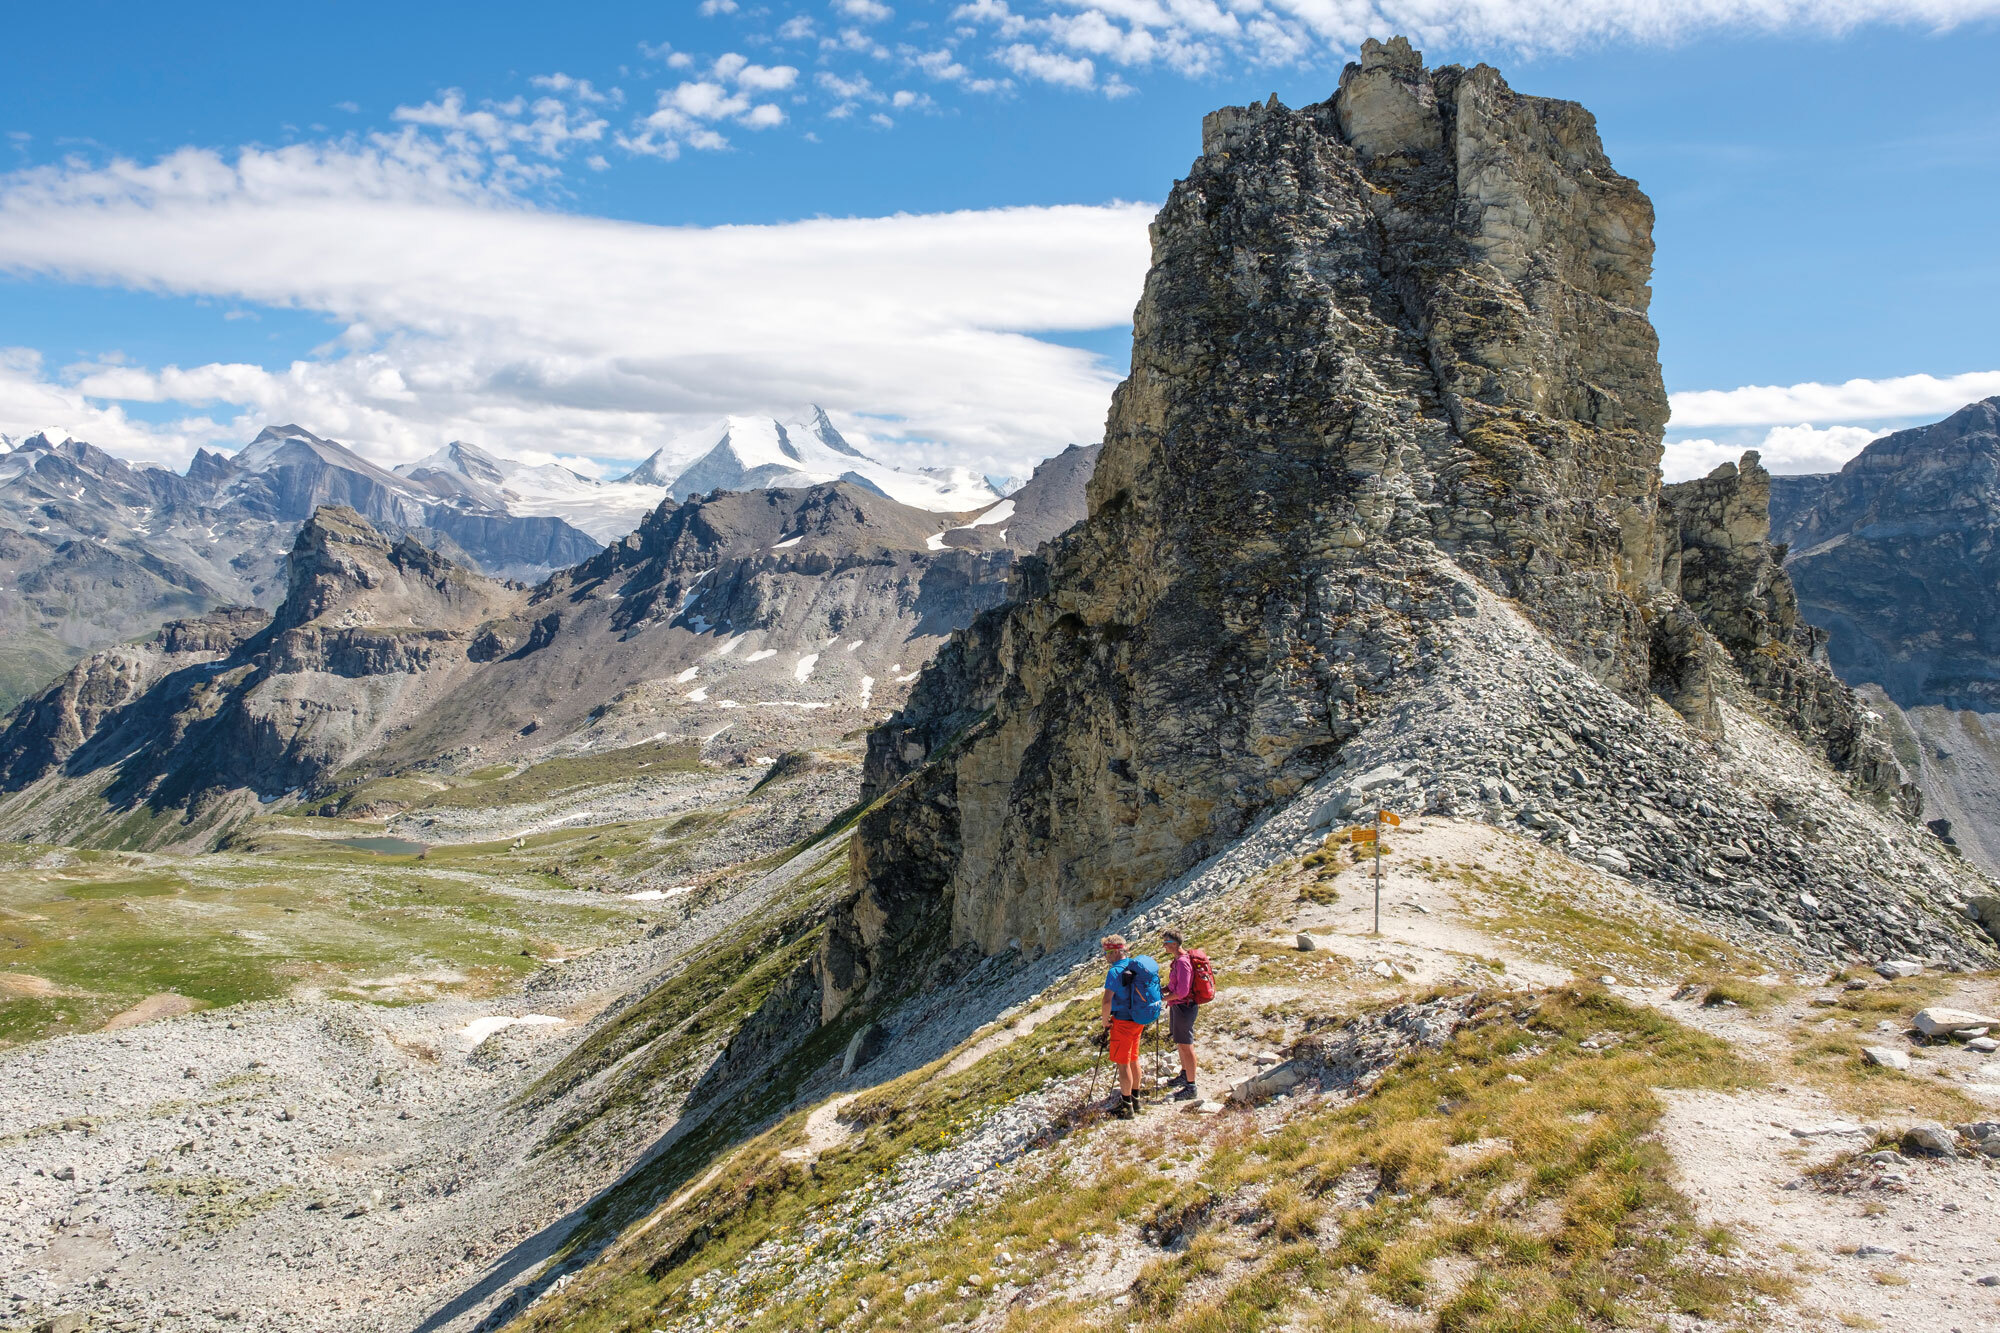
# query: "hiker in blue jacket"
{"points": [[1131, 1001]]}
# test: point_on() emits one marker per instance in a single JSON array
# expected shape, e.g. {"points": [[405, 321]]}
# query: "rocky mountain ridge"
{"points": [[770, 619], [94, 551]]}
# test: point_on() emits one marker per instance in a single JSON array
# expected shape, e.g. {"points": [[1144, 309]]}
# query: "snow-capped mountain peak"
{"points": [[465, 460], [746, 453]]}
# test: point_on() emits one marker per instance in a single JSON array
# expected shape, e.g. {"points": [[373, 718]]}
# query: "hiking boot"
{"points": [[1111, 1103], [1186, 1094], [1128, 1108], [1179, 1081]]}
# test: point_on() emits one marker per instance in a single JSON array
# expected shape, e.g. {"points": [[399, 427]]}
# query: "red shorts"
{"points": [[1125, 1041]]}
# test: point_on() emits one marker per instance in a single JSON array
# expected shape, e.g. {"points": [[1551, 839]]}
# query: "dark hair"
{"points": [[1171, 936]]}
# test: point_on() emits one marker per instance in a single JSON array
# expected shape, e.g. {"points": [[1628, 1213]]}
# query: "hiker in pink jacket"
{"points": [[1182, 1006]]}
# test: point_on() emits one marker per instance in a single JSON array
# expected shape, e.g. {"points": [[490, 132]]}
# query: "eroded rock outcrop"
{"points": [[1722, 562], [1389, 342]]}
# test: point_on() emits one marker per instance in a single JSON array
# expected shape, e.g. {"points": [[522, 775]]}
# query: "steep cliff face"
{"points": [[1387, 342], [1898, 555]]}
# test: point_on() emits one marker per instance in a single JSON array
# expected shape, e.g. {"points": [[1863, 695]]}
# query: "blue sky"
{"points": [[574, 235]]}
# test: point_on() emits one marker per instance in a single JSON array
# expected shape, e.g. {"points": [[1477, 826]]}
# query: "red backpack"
{"points": [[1201, 983]]}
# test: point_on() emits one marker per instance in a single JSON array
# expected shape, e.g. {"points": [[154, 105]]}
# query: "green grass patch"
{"points": [[85, 941]]}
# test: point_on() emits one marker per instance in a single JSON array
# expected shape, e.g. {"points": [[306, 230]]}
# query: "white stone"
{"points": [[1885, 1056], [1610, 858], [1936, 1021], [1892, 968], [1281, 1078], [1832, 1128]]}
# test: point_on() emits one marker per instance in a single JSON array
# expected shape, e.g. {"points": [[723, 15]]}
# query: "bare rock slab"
{"points": [[1938, 1021], [1887, 1057]]}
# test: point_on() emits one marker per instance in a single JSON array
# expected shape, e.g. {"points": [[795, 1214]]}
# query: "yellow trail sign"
{"points": [[1363, 835], [1391, 817]]}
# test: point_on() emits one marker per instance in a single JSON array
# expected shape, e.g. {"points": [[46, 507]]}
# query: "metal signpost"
{"points": [[1383, 818]]}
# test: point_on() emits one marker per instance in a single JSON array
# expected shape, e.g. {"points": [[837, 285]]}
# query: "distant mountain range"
{"points": [[770, 618], [95, 550]]}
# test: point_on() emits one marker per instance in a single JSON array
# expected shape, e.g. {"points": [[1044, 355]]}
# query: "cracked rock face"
{"points": [[1391, 344]]}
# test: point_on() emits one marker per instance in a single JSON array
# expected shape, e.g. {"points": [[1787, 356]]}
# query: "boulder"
{"points": [[1271, 1082], [1929, 1140], [1985, 1136], [1938, 1021], [1334, 809], [864, 1046], [1887, 1057], [1892, 968]]}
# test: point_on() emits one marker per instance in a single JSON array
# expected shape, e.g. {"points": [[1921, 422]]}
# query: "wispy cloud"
{"points": [[1903, 397], [468, 313], [1198, 37]]}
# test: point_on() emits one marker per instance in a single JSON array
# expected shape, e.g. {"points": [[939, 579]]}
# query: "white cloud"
{"points": [[580, 89], [865, 11], [471, 316], [30, 402], [1800, 448], [764, 117], [767, 79], [704, 100], [710, 8], [798, 28], [1854, 400], [1031, 62], [939, 64]]}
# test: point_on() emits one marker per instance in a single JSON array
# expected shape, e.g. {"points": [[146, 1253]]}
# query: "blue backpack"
{"points": [[1137, 998]]}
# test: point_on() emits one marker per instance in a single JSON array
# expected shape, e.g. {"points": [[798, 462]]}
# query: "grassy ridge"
{"points": [[1503, 1183]]}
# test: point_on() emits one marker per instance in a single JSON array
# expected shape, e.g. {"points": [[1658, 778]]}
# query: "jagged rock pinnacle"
{"points": [[1393, 348]]}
